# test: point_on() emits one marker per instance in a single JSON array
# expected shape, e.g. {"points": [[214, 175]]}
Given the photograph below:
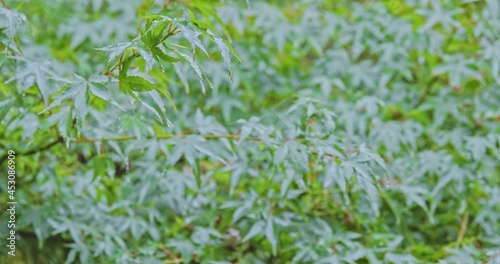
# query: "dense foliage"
{"points": [[252, 131]]}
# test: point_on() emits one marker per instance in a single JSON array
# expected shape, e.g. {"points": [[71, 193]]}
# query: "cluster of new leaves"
{"points": [[354, 131]]}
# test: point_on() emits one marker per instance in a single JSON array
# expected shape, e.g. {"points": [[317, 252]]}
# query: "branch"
{"points": [[51, 144], [176, 259], [27, 234], [184, 135], [35, 150], [160, 136]]}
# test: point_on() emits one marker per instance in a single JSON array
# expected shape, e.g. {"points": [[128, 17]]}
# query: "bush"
{"points": [[250, 131]]}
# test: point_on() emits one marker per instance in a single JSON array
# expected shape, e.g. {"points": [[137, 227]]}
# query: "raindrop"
{"points": [[169, 124], [127, 165]]}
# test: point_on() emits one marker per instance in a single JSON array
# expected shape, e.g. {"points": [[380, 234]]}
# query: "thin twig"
{"points": [[463, 227], [160, 136], [170, 253], [184, 135], [491, 258], [35, 150]]}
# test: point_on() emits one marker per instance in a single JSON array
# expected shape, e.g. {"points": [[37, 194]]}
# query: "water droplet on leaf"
{"points": [[127, 165]]}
